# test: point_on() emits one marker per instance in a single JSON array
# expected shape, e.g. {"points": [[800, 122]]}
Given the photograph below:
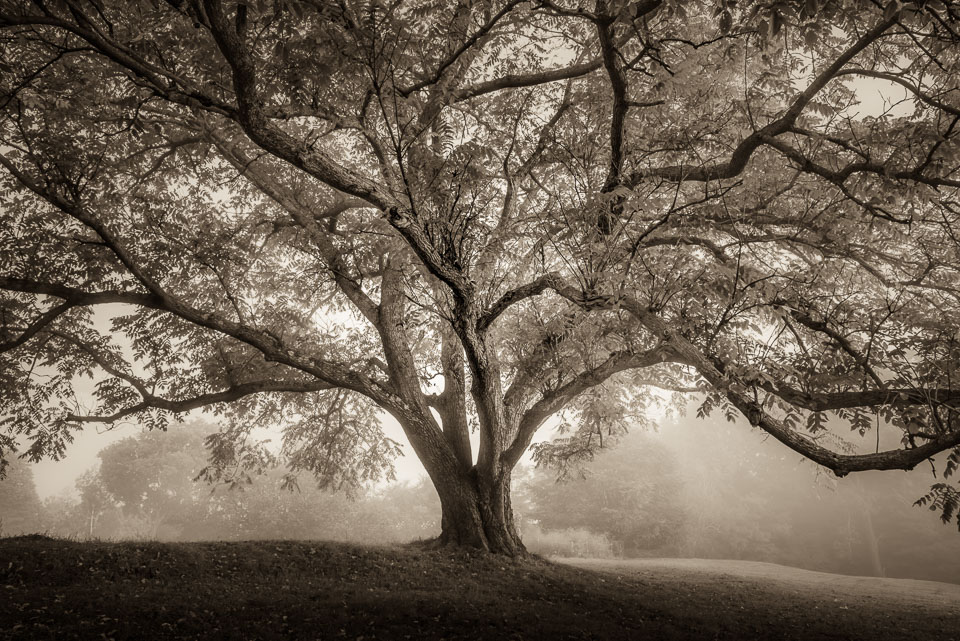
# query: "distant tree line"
{"points": [[632, 500], [147, 487]]}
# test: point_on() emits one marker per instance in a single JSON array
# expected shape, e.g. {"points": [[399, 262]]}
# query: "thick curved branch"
{"points": [[914, 89], [840, 464], [678, 349], [514, 296], [556, 399], [228, 395], [743, 152]]}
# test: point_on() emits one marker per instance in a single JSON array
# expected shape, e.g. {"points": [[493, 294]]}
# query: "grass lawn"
{"points": [[56, 589]]}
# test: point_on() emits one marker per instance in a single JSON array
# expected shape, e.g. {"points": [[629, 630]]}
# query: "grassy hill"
{"points": [[56, 589]]}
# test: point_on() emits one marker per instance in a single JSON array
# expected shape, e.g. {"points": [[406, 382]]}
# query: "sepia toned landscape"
{"points": [[479, 319]]}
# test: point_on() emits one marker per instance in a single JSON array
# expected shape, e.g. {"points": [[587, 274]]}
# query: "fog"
{"points": [[689, 489]]}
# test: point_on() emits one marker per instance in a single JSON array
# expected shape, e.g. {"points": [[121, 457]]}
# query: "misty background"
{"points": [[690, 488]]}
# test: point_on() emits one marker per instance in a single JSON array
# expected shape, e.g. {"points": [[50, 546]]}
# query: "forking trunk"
{"points": [[477, 513], [474, 498]]}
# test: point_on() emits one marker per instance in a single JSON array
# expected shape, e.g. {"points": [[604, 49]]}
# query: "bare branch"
{"points": [[513, 81], [914, 89]]}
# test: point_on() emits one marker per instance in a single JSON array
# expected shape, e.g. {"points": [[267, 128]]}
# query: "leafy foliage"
{"points": [[630, 495], [306, 211], [944, 497]]}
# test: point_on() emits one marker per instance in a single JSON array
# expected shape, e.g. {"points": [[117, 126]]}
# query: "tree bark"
{"points": [[477, 513]]}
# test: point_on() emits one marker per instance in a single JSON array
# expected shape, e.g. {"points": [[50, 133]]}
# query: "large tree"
{"points": [[475, 215]]}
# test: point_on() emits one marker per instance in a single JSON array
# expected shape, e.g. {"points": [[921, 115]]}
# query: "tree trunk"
{"points": [[477, 513]]}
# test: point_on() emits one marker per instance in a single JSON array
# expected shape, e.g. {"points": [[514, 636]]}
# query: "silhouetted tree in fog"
{"points": [[20, 508]]}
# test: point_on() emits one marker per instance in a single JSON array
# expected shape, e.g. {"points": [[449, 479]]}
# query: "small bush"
{"points": [[568, 542]]}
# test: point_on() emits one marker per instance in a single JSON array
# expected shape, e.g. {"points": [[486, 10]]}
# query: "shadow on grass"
{"points": [[61, 589]]}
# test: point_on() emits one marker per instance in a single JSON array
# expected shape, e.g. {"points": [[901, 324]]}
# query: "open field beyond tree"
{"points": [[58, 589]]}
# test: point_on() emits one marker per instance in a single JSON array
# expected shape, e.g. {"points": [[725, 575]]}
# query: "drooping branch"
{"points": [[232, 393], [103, 362], [161, 298], [824, 328], [79, 214], [902, 396], [36, 326], [840, 176], [164, 83], [914, 89], [840, 464], [676, 348]]}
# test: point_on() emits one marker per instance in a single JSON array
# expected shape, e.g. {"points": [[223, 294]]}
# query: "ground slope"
{"points": [[764, 600], [54, 589]]}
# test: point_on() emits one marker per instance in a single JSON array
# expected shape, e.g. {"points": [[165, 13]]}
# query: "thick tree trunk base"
{"points": [[442, 544], [501, 543], [478, 516]]}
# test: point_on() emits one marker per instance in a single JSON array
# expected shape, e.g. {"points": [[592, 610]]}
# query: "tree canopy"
{"points": [[475, 215]]}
